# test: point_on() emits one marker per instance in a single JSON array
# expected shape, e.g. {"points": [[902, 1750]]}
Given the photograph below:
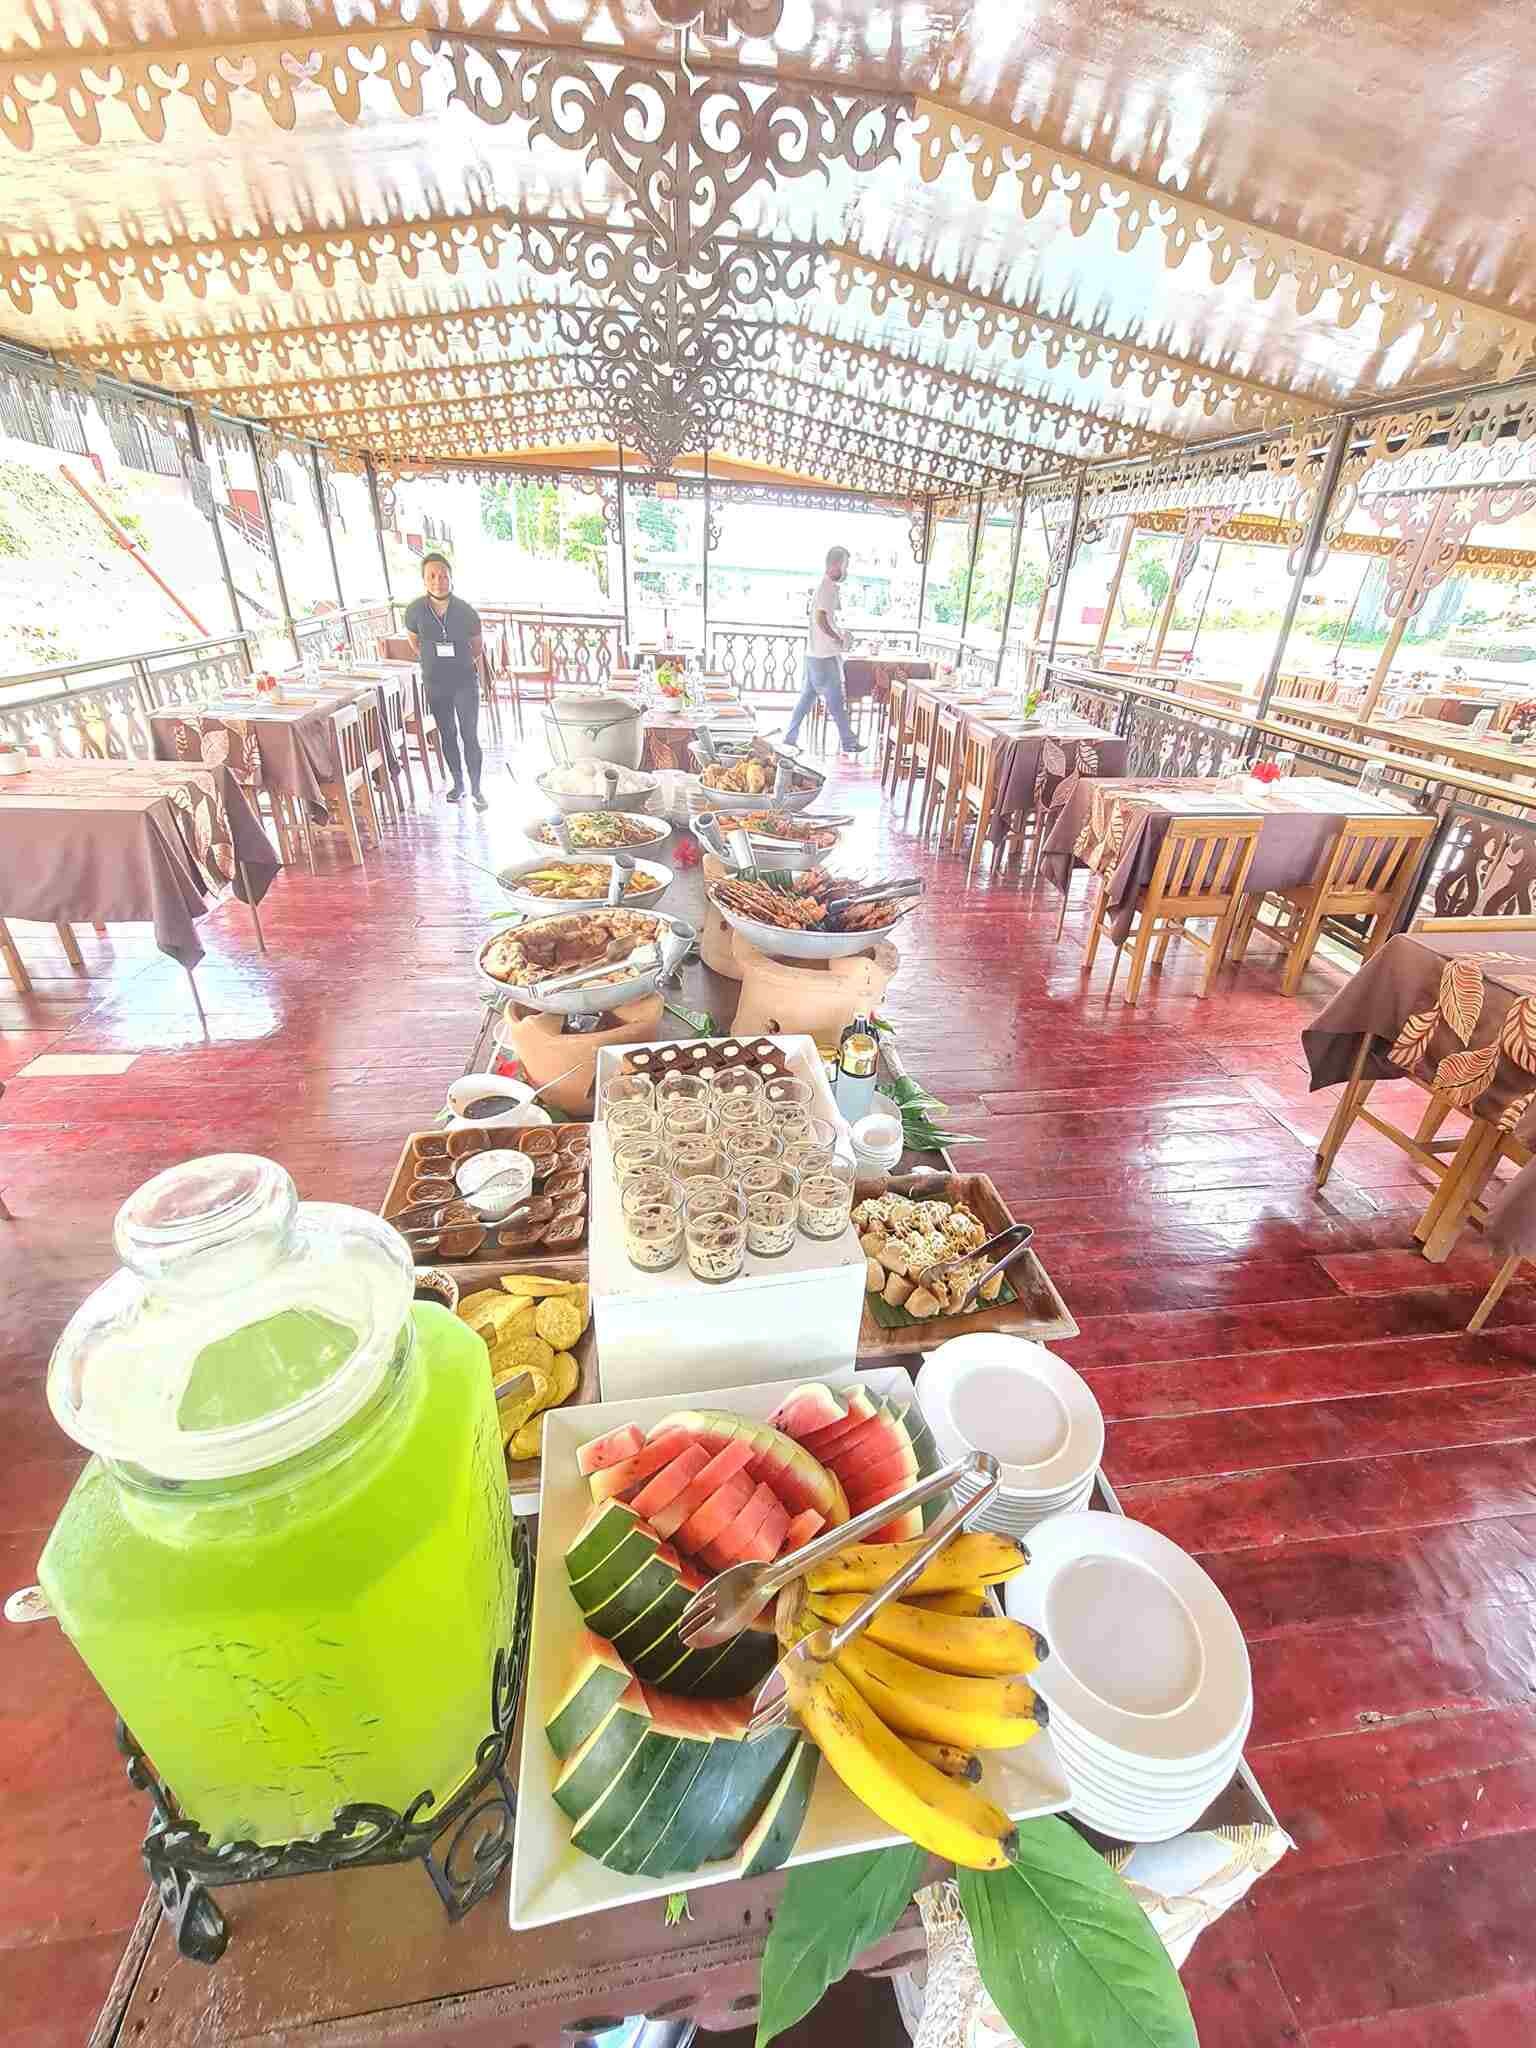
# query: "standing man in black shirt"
{"points": [[446, 639]]}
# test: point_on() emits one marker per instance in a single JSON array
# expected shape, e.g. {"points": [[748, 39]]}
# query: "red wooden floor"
{"points": [[1288, 1387]]}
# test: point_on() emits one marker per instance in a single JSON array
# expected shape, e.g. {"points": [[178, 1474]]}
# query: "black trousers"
{"points": [[456, 707]]}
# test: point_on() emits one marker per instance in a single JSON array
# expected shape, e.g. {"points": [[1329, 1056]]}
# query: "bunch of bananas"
{"points": [[903, 1711]]}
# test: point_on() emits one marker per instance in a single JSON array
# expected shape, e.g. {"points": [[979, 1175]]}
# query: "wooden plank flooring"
{"points": [[1289, 1387]]}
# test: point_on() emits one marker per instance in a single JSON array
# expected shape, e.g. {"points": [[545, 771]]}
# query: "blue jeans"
{"points": [[823, 679]]}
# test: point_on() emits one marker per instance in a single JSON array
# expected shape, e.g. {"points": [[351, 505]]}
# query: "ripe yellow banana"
{"points": [[976, 1713], [954, 1762], [904, 1790], [975, 1558], [970, 1600], [975, 1646]]}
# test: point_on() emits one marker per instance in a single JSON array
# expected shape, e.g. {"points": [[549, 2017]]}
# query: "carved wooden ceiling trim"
{"points": [[1258, 258], [189, 355], [994, 323]]}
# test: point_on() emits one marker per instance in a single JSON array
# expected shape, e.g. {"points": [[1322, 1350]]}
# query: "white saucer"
{"points": [[1019, 1401], [1146, 1657]]}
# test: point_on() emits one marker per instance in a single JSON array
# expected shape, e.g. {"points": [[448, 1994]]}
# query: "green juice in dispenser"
{"points": [[288, 1564]]}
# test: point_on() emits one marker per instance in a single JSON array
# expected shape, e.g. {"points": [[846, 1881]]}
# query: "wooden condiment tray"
{"points": [[1039, 1311], [426, 1152]]}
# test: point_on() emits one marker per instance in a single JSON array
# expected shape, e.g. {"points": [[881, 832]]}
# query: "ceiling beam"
{"points": [[188, 354]]}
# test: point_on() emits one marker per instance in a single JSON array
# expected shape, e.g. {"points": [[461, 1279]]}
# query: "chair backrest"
{"points": [[350, 753], [1201, 865], [1372, 863], [924, 712], [981, 745], [897, 699], [392, 690], [947, 735], [367, 709]]}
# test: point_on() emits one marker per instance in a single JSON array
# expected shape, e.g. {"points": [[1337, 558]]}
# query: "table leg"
{"points": [[197, 1000], [71, 949], [16, 966], [250, 902], [1354, 1093], [1490, 1300]]}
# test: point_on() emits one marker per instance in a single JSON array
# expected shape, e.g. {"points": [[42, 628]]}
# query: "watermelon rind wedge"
{"points": [[605, 1531], [601, 1677], [660, 1805], [588, 1772], [773, 1839], [722, 1804]]}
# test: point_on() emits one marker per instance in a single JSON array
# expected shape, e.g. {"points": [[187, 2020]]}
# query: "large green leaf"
{"points": [[826, 1914], [1070, 1959]]}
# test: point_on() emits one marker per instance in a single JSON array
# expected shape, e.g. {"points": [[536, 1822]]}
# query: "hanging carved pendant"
{"points": [[721, 18]]}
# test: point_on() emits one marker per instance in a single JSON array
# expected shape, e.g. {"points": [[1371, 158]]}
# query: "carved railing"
{"points": [[584, 647], [1164, 741], [97, 709], [762, 661]]}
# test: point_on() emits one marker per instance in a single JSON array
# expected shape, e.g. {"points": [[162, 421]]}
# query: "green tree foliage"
{"points": [[657, 524]]}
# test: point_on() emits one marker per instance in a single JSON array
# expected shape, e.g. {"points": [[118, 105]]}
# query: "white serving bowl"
{"points": [[470, 1087]]}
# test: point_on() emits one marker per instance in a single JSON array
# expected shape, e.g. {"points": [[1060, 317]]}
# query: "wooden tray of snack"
{"points": [[557, 1150], [524, 1474], [1038, 1310]]}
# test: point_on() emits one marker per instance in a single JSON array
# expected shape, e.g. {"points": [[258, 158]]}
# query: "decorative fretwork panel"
{"points": [[105, 723], [1163, 742], [171, 680], [1484, 866], [763, 661], [1103, 708]]}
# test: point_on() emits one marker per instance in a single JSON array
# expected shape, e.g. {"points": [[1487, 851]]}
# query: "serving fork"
{"points": [[771, 1708]]}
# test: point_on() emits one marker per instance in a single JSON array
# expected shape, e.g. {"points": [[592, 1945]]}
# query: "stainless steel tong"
{"points": [[641, 960], [733, 1599], [1012, 1243], [771, 1708]]}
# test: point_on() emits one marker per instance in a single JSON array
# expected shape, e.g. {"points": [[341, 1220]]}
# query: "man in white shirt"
{"points": [[826, 644]]}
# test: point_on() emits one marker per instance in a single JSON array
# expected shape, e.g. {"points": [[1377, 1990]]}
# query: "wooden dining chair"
{"points": [[982, 753], [351, 788], [381, 781], [1201, 872], [943, 772], [893, 735], [421, 724], [392, 695], [1366, 872], [920, 727]]}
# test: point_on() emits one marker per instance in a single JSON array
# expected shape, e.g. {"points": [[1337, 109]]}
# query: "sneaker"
{"points": [[455, 796], [481, 803], [853, 753]]}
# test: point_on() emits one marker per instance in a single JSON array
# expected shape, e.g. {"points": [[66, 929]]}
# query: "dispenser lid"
{"points": [[244, 1328]]}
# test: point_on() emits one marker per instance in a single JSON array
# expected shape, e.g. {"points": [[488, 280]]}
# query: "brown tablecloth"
{"points": [[1116, 828], [129, 842], [1043, 769], [295, 743]]}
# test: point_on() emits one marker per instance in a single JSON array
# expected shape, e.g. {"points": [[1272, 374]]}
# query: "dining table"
{"points": [[130, 842], [1115, 828], [667, 734], [871, 675], [1454, 1011], [293, 737]]}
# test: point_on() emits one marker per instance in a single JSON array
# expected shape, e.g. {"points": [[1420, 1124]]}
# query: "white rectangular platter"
{"points": [[551, 1880], [798, 1314]]}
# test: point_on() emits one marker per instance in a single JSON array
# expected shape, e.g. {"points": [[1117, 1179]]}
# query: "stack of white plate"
{"points": [[1147, 1679], [1026, 1406]]}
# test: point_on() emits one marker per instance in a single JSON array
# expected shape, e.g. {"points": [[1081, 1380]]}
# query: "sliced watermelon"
{"points": [[872, 1429], [717, 1514], [601, 1677], [795, 1476], [808, 1409], [617, 1480], [670, 1480], [768, 1539], [726, 1549], [612, 1449], [860, 1408], [803, 1528], [724, 1465], [878, 1454], [723, 1803], [874, 1483]]}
